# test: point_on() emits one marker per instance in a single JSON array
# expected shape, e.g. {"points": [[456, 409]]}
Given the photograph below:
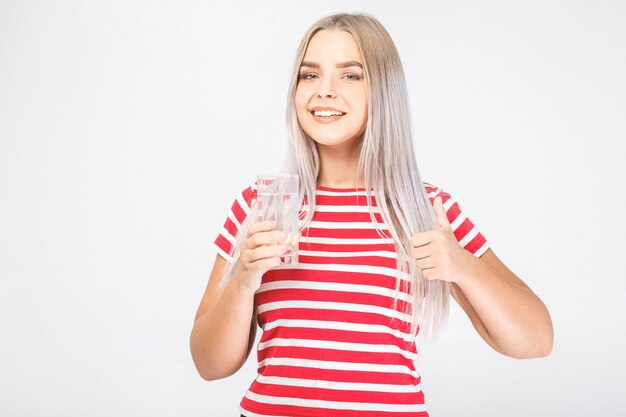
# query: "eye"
{"points": [[308, 76], [352, 77]]}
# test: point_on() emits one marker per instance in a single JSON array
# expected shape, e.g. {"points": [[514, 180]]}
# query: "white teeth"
{"points": [[327, 113]]}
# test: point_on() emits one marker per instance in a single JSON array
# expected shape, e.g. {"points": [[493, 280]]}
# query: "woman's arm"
{"points": [[225, 326], [504, 311]]}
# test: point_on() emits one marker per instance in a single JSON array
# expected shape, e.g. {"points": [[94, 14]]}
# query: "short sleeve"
{"points": [[466, 233], [226, 238]]}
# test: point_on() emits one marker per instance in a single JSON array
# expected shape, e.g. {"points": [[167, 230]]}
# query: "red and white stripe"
{"points": [[334, 343]]}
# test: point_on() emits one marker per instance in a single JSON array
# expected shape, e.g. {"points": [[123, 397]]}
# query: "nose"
{"points": [[326, 88]]}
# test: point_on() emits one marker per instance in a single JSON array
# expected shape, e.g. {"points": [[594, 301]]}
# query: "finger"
{"points": [[260, 227], [265, 264], [268, 238], [421, 239], [440, 213], [293, 240], [421, 252], [425, 263], [429, 273], [264, 252]]}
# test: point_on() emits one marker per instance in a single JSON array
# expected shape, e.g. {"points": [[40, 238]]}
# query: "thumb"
{"points": [[440, 213]]}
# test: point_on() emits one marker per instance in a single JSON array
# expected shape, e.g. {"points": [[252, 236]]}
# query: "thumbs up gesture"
{"points": [[438, 253]]}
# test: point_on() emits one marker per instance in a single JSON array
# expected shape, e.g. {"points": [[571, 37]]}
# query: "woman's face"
{"points": [[331, 96]]}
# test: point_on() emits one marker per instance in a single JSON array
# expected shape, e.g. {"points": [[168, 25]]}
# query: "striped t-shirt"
{"points": [[333, 343]]}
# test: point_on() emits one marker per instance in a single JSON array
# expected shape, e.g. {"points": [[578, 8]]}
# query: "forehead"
{"points": [[334, 46]]}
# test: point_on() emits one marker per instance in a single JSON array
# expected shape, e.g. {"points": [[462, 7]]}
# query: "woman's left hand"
{"points": [[438, 253]]}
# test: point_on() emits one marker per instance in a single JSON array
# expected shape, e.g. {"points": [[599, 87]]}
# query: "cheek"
{"points": [[358, 100], [300, 98], [364, 101], [301, 107], [363, 108]]}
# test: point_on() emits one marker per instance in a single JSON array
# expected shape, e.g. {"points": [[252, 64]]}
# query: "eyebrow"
{"points": [[346, 64]]}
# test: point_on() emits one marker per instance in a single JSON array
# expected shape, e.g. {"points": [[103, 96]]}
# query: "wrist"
{"points": [[470, 272], [245, 283]]}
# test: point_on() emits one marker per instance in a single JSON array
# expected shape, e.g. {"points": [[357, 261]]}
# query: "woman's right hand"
{"points": [[225, 326], [260, 251]]}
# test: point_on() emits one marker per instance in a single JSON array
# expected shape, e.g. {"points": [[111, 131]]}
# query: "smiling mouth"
{"points": [[327, 113], [327, 116]]}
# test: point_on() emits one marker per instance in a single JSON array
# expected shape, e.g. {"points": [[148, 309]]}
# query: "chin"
{"points": [[331, 142]]}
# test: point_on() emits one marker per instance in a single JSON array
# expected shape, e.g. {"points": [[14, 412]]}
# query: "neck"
{"points": [[339, 167]]}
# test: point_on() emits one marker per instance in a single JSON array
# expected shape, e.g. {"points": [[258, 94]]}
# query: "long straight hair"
{"points": [[387, 159], [387, 162]]}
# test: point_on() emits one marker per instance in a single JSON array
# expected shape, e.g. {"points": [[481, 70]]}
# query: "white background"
{"points": [[128, 127]]}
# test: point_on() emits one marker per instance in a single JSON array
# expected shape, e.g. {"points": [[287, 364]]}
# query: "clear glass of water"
{"points": [[277, 199]]}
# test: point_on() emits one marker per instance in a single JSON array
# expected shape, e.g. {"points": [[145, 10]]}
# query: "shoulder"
{"points": [[247, 195], [243, 201], [466, 233], [433, 191], [239, 211]]}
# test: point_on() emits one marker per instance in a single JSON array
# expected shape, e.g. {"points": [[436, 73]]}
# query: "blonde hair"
{"points": [[387, 158], [387, 161]]}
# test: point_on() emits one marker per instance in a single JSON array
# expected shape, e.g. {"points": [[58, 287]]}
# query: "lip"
{"points": [[318, 108], [325, 119]]}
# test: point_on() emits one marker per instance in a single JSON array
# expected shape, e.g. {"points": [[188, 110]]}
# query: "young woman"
{"points": [[380, 252]]}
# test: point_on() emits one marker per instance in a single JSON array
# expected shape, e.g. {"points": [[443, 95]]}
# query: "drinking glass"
{"points": [[277, 199]]}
